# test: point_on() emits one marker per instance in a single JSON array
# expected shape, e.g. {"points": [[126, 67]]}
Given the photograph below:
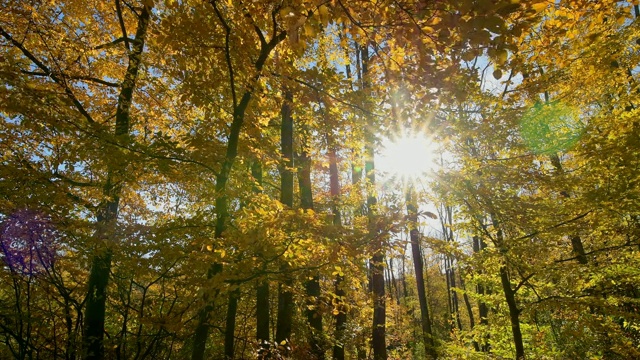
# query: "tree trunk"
{"points": [[93, 339], [452, 271], [262, 314], [449, 293], [312, 286], [262, 289], [454, 295], [394, 283], [425, 319], [576, 241], [239, 109], [514, 312], [230, 327], [389, 279], [285, 297], [377, 260], [341, 317], [379, 306], [510, 296], [467, 304], [405, 293], [483, 309]]}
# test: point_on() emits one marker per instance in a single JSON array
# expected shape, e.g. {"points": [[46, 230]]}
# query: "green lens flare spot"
{"points": [[549, 128]]}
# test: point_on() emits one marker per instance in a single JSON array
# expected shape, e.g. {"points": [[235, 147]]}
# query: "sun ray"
{"points": [[408, 157]]}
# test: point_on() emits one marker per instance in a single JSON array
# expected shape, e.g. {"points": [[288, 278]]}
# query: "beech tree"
{"points": [[150, 149]]}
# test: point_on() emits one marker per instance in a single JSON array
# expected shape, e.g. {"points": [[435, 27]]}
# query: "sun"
{"points": [[408, 157]]}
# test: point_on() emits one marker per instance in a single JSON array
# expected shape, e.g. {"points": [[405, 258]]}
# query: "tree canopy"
{"points": [[200, 179]]}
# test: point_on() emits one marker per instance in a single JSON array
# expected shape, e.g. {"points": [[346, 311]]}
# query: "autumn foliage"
{"points": [[188, 179]]}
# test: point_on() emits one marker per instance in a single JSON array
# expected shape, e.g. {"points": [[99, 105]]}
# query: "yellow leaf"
{"points": [[539, 6], [427, 29], [309, 30], [501, 56], [323, 10], [210, 247]]}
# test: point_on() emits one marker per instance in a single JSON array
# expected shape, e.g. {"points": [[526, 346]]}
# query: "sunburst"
{"points": [[408, 157]]}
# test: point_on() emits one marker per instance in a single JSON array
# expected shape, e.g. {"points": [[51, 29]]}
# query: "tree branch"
{"points": [[313, 87], [60, 81], [78, 77], [112, 43], [122, 27], [554, 226], [227, 52]]}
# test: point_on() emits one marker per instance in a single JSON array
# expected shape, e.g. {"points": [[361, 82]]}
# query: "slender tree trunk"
{"points": [[446, 220], [467, 304], [378, 258], [576, 241], [341, 317], [454, 295], [239, 108], [314, 317], [262, 288], [483, 309], [388, 279], [405, 293], [312, 286], [285, 296], [452, 271], [379, 303], [394, 283], [510, 297], [262, 313], [93, 339], [514, 312], [449, 292], [230, 327], [425, 319]]}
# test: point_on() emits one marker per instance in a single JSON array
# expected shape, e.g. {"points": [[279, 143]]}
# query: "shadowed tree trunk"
{"points": [[576, 241], [93, 345], [483, 309], [394, 283], [230, 327], [510, 296], [447, 222], [361, 347], [425, 319], [341, 317], [285, 297], [312, 286], [262, 288], [239, 109], [377, 260], [467, 304], [514, 312]]}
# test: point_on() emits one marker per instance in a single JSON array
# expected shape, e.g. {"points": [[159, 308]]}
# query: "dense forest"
{"points": [[189, 179]]}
